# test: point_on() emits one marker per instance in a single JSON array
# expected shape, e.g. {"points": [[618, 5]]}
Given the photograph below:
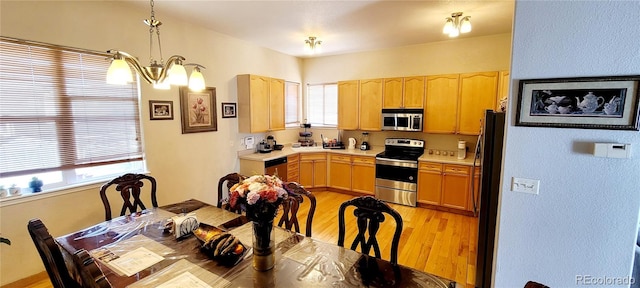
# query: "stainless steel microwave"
{"points": [[402, 119]]}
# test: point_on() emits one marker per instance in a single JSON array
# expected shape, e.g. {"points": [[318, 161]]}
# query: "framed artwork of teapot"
{"points": [[589, 102]]}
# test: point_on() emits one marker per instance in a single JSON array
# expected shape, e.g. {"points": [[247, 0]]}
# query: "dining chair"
{"points": [[369, 214], [533, 284], [129, 185], [291, 205], [231, 179], [89, 272], [51, 255]]}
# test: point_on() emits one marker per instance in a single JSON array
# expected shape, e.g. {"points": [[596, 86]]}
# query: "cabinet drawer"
{"points": [[363, 160], [457, 169], [313, 156], [430, 166], [293, 165], [293, 158], [340, 158]]}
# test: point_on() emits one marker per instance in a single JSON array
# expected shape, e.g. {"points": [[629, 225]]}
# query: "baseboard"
{"points": [[446, 209], [28, 281]]}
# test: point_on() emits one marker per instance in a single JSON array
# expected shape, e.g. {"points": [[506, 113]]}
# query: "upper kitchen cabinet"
{"points": [[348, 95], [260, 103], [371, 104], [477, 93], [407, 93], [441, 107], [503, 88]]}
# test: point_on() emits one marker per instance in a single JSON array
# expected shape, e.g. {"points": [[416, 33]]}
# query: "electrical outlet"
{"points": [[523, 185]]}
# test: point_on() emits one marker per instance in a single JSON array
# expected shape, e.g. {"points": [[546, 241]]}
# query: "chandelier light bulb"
{"points": [[456, 24], [119, 72], [448, 26], [312, 45], [454, 33], [196, 81], [164, 85], [465, 25], [178, 75]]}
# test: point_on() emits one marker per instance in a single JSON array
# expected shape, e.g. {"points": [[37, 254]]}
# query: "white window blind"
{"points": [[292, 104], [57, 112], [322, 104]]}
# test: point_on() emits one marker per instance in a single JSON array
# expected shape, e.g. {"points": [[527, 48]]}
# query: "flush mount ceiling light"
{"points": [[454, 25], [161, 75], [312, 45]]}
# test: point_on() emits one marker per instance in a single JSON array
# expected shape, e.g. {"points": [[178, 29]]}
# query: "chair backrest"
{"points": [[291, 205], [369, 214], [129, 185], [51, 255], [231, 179], [533, 284], [90, 273]]}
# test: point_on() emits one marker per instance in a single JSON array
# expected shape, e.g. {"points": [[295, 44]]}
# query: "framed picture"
{"points": [[160, 110], [592, 103], [198, 110], [229, 110]]}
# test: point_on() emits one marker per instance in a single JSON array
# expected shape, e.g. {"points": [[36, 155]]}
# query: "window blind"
{"points": [[292, 104], [57, 112], [322, 104]]}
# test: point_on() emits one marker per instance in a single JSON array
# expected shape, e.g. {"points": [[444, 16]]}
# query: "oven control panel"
{"points": [[404, 142]]}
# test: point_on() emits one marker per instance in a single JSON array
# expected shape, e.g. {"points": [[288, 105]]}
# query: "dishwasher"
{"points": [[276, 167]]}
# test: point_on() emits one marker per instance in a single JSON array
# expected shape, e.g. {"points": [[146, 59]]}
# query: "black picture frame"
{"points": [[160, 110], [587, 102], [229, 110], [198, 110]]}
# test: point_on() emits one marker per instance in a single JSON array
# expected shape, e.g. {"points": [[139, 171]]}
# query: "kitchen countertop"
{"points": [[288, 150]]}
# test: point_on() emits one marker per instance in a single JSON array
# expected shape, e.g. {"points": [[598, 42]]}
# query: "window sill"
{"points": [[54, 192]]}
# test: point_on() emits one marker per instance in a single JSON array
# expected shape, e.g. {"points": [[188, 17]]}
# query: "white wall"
{"points": [[584, 220], [185, 165]]}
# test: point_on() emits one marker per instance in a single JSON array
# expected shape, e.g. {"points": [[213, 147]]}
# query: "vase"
{"points": [[263, 245], [35, 184]]}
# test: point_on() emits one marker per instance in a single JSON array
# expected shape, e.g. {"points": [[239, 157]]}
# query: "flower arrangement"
{"points": [[259, 196]]}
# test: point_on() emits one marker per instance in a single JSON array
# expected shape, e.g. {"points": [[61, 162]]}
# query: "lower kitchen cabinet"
{"points": [[363, 174], [293, 168], [313, 170], [445, 185], [340, 171]]}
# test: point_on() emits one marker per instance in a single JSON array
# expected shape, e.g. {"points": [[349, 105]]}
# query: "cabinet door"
{"points": [[503, 88], [392, 97], [477, 93], [259, 99], [276, 104], [340, 172], [455, 186], [363, 174], [306, 173], [371, 104], [320, 173], [413, 92], [348, 105], [429, 187], [440, 113], [293, 168]]}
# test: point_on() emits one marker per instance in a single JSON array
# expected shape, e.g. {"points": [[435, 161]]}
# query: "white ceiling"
{"points": [[343, 26]]}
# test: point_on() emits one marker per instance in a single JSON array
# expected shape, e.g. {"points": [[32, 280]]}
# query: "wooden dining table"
{"points": [[300, 261]]}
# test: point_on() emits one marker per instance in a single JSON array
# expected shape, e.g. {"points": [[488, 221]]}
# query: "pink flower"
{"points": [[233, 201], [200, 100], [253, 197], [270, 195], [202, 108], [194, 106]]}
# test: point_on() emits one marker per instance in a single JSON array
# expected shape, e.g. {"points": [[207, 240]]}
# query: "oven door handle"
{"points": [[396, 162]]}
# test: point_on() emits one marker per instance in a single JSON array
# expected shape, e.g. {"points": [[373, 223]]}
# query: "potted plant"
{"points": [[35, 184]]}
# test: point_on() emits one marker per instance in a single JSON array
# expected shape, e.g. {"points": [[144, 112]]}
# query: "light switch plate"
{"points": [[523, 185]]}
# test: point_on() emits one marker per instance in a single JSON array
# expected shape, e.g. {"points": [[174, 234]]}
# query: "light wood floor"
{"points": [[436, 242]]}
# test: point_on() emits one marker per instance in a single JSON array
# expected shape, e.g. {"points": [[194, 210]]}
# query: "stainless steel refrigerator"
{"points": [[490, 147]]}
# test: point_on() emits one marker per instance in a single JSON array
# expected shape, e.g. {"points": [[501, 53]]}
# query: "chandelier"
{"points": [[312, 45], [162, 74], [454, 25]]}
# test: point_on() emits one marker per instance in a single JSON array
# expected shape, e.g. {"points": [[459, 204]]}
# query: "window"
{"points": [[291, 104], [60, 121], [322, 104]]}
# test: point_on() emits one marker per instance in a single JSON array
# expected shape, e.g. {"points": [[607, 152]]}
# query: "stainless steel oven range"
{"points": [[397, 170]]}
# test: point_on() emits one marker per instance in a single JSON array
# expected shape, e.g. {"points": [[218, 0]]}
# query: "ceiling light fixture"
{"points": [[454, 25], [161, 75], [312, 45]]}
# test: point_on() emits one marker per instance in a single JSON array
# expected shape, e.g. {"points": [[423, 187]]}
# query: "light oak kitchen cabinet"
{"points": [[446, 185], [340, 171], [455, 186], [370, 105], [260, 103], [477, 93], [313, 170], [403, 92], [348, 94], [293, 168], [441, 105], [363, 174], [430, 183]]}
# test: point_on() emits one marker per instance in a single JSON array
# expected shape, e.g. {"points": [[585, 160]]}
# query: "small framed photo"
{"points": [[198, 110], [160, 110], [590, 102], [229, 110]]}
